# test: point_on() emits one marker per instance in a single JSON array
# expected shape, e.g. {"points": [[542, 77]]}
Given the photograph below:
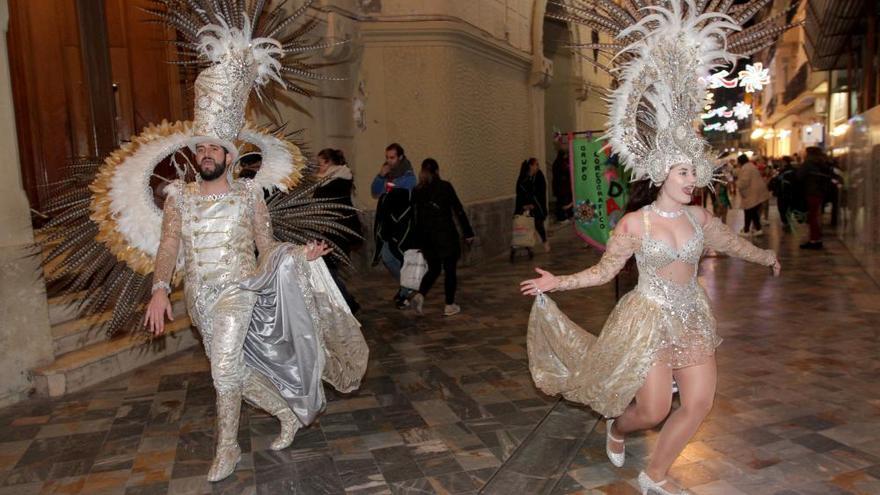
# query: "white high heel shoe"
{"points": [[651, 487], [616, 458]]}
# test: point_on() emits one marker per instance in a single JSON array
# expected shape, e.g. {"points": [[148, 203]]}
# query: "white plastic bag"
{"points": [[414, 268]]}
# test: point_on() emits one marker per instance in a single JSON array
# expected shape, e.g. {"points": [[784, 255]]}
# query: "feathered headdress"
{"points": [[664, 53]]}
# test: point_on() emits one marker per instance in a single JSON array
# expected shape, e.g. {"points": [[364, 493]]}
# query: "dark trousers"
{"points": [[814, 217], [753, 217], [563, 213], [450, 279], [782, 206], [353, 305], [539, 227]]}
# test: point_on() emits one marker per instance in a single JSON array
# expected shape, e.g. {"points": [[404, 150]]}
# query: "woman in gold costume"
{"points": [[666, 55], [660, 331]]}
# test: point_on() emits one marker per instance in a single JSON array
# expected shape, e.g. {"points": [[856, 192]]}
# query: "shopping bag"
{"points": [[524, 233], [414, 268]]}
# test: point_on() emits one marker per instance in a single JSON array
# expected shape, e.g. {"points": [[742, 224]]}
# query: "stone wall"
{"points": [[25, 339], [443, 91], [508, 21]]}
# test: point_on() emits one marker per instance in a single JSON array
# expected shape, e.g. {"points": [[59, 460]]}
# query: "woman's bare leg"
{"points": [[696, 385], [651, 406]]}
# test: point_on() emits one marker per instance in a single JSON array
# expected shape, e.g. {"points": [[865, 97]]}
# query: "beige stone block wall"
{"points": [[442, 91], [25, 339], [508, 21]]}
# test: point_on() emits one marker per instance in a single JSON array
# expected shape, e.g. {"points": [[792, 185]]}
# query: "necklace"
{"points": [[666, 214]]}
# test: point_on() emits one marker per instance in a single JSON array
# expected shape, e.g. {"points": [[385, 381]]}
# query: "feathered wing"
{"points": [[299, 217], [77, 264]]}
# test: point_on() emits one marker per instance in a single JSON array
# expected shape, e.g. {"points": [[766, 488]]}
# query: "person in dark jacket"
{"points": [[814, 181], [562, 187], [337, 184], [393, 231], [392, 186], [437, 207], [531, 196], [782, 186]]}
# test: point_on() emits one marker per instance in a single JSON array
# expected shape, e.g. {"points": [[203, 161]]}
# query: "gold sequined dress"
{"points": [[660, 321]]}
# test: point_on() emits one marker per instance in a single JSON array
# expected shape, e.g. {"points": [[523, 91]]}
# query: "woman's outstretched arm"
{"points": [[620, 247], [719, 237]]}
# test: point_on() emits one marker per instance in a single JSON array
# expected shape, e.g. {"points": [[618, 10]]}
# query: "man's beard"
{"points": [[219, 170]]}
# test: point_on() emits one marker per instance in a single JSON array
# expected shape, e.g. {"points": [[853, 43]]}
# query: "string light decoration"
{"points": [[753, 78]]}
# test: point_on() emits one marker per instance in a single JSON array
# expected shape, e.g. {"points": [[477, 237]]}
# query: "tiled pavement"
{"points": [[448, 400]]}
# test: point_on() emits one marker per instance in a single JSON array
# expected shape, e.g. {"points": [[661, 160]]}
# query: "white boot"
{"points": [[228, 452]]}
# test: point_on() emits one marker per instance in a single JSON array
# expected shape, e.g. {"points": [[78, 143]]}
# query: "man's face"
{"points": [[212, 160], [391, 157]]}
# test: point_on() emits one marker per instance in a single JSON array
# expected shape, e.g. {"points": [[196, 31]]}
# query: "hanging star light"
{"points": [[754, 77], [713, 112], [742, 110], [731, 126]]}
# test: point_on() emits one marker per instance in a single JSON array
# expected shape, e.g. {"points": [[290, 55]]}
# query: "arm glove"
{"points": [[720, 238]]}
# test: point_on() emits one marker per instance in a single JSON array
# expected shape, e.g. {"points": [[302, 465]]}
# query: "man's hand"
{"points": [[315, 250], [384, 170], [159, 307]]}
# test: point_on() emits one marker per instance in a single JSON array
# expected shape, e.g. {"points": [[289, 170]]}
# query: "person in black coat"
{"points": [[782, 186], [562, 187], [814, 180], [436, 209], [531, 196], [337, 184]]}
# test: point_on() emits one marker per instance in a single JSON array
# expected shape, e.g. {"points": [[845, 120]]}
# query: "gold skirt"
{"points": [[606, 372]]}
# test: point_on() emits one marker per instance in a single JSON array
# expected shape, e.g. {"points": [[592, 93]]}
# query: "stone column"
{"points": [[25, 336]]}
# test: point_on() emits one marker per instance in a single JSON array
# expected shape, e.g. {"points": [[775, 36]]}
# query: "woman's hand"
{"points": [[157, 310], [777, 268], [316, 249], [545, 283]]}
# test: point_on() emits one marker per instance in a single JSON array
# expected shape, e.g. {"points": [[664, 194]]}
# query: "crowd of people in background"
{"points": [[802, 185], [422, 212]]}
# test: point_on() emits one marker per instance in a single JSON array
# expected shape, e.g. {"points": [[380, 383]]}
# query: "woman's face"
{"points": [[680, 183], [533, 167], [323, 163]]}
